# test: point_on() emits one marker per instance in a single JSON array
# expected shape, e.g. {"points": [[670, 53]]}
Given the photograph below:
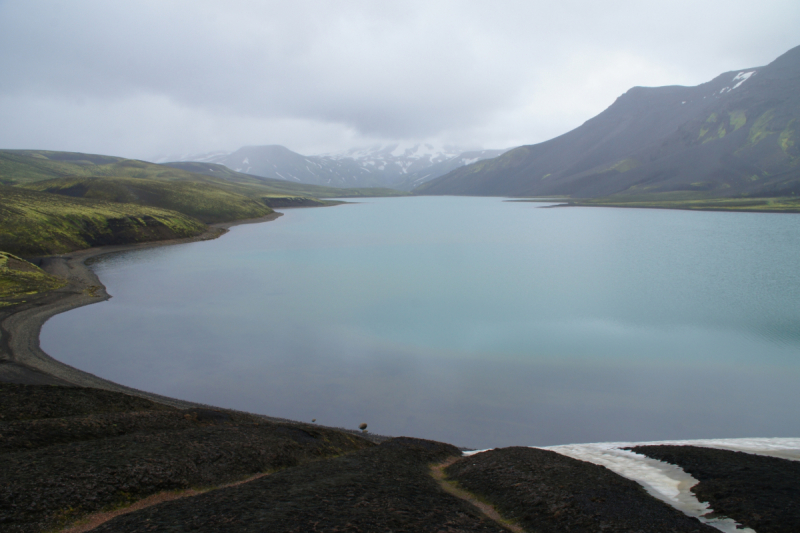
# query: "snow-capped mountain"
{"points": [[399, 166]]}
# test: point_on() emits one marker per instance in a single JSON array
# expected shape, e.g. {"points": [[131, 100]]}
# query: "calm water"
{"points": [[470, 320]]}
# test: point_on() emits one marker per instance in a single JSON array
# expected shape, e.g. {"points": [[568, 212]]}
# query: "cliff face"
{"points": [[736, 135]]}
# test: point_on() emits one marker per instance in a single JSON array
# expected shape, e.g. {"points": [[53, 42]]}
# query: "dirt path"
{"points": [[97, 519], [437, 471]]}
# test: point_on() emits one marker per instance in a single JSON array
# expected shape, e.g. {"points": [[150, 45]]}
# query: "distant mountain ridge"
{"points": [[399, 166], [736, 135]]}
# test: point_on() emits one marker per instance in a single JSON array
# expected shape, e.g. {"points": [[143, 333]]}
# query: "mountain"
{"points": [[736, 135], [396, 166], [415, 179]]}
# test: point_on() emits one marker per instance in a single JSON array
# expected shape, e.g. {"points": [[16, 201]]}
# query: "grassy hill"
{"points": [[18, 167], [38, 223], [206, 202], [54, 202]]}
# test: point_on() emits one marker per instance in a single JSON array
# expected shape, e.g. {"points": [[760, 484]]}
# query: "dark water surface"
{"points": [[469, 320]]}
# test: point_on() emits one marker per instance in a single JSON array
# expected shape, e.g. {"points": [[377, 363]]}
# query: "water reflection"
{"points": [[473, 321]]}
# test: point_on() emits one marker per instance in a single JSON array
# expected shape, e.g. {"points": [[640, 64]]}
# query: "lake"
{"points": [[474, 321]]}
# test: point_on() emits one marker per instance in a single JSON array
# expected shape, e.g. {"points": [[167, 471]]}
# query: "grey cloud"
{"points": [[354, 71]]}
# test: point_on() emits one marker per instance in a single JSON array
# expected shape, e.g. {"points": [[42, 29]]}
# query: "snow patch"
{"points": [[740, 78], [246, 161], [664, 481], [670, 483]]}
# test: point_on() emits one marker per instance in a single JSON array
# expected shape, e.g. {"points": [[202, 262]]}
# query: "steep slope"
{"points": [[735, 135]]}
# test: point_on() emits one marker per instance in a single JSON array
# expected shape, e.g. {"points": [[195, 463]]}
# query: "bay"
{"points": [[474, 321]]}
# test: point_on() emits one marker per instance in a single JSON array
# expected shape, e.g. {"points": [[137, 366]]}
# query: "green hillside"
{"points": [[54, 202], [206, 202], [38, 223]]}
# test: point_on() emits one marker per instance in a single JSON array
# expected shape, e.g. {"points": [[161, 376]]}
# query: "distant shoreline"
{"points": [[731, 207], [21, 358]]}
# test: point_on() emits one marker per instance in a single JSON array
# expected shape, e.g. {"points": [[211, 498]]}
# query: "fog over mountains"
{"points": [[395, 165], [736, 135]]}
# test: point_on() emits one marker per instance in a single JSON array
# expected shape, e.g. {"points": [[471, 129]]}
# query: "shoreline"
{"points": [[21, 358]]}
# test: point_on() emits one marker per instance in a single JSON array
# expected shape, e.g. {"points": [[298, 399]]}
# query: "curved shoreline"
{"points": [[21, 358]]}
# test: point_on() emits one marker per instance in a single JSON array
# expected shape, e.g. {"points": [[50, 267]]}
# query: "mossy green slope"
{"points": [[37, 223], [19, 278], [206, 202]]}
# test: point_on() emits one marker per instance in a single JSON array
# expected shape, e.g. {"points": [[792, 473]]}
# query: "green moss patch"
{"points": [[737, 119], [786, 140], [625, 165], [760, 129], [206, 202], [34, 223]]}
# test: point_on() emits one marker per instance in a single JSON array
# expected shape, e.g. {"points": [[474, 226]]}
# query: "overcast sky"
{"points": [[143, 78]]}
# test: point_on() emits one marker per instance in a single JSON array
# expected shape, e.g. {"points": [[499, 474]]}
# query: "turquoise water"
{"points": [[470, 320]]}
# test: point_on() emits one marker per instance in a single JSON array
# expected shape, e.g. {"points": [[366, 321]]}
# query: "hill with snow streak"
{"points": [[398, 166], [736, 135]]}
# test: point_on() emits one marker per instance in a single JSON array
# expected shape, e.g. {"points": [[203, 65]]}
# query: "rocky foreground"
{"points": [[762, 493], [70, 452]]}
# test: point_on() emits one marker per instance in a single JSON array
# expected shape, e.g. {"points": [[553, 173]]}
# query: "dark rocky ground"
{"points": [[380, 489], [762, 493], [544, 491], [67, 451]]}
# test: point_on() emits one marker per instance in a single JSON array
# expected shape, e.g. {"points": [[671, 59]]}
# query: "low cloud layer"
{"points": [[145, 78]]}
